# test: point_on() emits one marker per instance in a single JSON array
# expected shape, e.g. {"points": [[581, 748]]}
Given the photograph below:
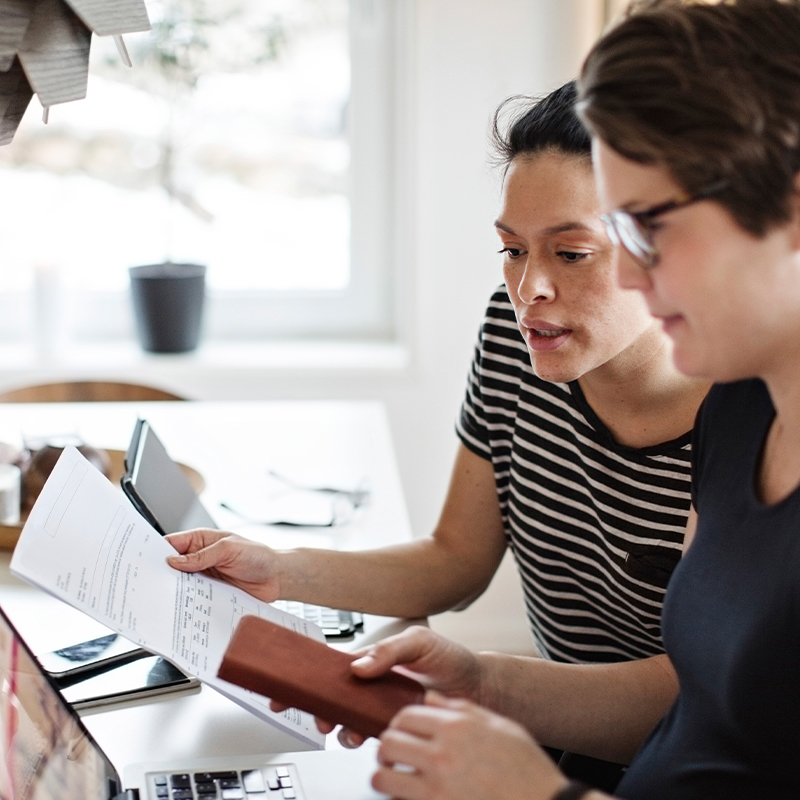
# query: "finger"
{"points": [[350, 739], [401, 747], [438, 700], [403, 648], [422, 721], [400, 784], [202, 559], [186, 563], [195, 539]]}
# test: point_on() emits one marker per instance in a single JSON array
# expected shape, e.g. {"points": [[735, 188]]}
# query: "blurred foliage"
{"points": [[191, 38]]}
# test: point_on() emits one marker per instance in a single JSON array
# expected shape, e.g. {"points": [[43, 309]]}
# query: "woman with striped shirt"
{"points": [[575, 436]]}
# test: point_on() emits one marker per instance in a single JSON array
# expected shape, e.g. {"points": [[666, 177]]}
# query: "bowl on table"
{"points": [[36, 468]]}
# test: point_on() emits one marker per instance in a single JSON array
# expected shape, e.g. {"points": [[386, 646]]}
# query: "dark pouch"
{"points": [[651, 564]]}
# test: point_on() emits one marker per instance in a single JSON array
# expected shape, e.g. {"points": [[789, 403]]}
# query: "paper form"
{"points": [[86, 545]]}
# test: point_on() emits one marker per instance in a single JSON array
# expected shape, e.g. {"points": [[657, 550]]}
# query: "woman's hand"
{"points": [[431, 659], [451, 749], [249, 565], [436, 662]]}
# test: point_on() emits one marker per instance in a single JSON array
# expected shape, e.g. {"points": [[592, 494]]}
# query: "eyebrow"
{"points": [[551, 231]]}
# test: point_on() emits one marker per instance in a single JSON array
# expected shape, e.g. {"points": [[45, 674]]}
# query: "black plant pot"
{"points": [[168, 302]]}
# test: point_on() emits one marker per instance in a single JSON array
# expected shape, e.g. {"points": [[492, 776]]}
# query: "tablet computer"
{"points": [[144, 678], [80, 661], [111, 669], [160, 491], [158, 488]]}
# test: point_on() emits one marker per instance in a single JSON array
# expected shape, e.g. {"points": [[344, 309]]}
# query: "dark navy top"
{"points": [[731, 626]]}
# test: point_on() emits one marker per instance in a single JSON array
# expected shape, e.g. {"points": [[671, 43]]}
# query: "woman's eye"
{"points": [[513, 252], [651, 225], [571, 257]]}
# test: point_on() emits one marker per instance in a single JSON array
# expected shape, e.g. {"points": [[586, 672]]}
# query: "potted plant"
{"points": [[188, 40]]}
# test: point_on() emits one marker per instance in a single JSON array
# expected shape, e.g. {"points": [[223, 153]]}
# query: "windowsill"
{"points": [[120, 357]]}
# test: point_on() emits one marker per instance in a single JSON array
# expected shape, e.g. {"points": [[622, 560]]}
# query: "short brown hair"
{"points": [[708, 91]]}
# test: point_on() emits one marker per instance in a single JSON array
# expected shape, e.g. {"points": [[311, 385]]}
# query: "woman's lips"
{"points": [[669, 324], [543, 337]]}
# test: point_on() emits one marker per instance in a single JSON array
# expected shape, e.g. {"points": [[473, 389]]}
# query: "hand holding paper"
{"points": [[86, 545]]}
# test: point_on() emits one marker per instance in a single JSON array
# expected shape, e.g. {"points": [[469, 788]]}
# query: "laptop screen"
{"points": [[47, 754]]}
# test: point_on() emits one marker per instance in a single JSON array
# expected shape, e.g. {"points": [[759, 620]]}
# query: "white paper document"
{"points": [[85, 544]]}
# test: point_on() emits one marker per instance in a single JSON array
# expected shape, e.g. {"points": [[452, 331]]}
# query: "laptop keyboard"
{"points": [[334, 623], [270, 783]]}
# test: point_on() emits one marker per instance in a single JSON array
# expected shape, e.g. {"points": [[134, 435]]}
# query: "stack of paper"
{"points": [[86, 545]]}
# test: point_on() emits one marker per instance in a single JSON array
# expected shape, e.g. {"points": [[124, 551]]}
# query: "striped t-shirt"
{"points": [[595, 527]]}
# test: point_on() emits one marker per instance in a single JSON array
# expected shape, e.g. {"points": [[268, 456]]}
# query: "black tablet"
{"points": [[147, 677], [162, 494], [158, 488]]}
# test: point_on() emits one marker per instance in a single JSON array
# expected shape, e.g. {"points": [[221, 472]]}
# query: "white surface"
{"points": [[229, 357], [234, 444], [331, 443]]}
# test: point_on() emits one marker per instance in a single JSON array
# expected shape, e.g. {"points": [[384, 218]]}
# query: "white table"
{"points": [[231, 445]]}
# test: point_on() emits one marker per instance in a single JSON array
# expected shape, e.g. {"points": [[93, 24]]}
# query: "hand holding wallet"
{"points": [[300, 672]]}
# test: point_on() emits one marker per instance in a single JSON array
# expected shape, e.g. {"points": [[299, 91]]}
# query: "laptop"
{"points": [[48, 753], [160, 491]]}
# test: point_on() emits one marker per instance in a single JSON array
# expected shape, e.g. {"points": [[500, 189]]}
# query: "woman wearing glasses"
{"points": [[695, 109]]}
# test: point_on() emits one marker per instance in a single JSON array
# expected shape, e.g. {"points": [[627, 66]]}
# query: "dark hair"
{"points": [[709, 92], [544, 124]]}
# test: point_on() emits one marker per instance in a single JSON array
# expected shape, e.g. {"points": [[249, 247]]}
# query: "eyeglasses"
{"points": [[633, 229], [344, 504]]}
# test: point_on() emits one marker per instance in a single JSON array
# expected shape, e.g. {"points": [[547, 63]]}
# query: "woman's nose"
{"points": [[536, 285], [630, 273]]}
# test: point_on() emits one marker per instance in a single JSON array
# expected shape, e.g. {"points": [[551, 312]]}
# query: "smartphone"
{"points": [[79, 661], [144, 678]]}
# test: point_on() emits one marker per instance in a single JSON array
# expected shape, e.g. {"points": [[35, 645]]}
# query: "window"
{"points": [[269, 158]]}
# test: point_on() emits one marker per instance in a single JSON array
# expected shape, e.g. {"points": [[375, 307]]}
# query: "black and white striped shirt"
{"points": [[595, 527]]}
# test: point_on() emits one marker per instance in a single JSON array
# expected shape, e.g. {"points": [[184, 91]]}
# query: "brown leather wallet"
{"points": [[297, 671]]}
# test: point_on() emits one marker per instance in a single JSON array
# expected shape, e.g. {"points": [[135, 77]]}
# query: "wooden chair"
{"points": [[86, 391]]}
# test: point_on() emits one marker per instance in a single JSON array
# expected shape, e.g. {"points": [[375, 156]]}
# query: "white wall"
{"points": [[467, 56]]}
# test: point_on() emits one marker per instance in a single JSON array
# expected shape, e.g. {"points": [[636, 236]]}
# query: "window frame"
{"points": [[367, 308]]}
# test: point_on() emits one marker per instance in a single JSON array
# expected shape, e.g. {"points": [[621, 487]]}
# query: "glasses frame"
{"points": [[629, 229]]}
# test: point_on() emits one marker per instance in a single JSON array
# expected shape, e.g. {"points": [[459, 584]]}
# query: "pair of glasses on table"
{"points": [[634, 230], [345, 503]]}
